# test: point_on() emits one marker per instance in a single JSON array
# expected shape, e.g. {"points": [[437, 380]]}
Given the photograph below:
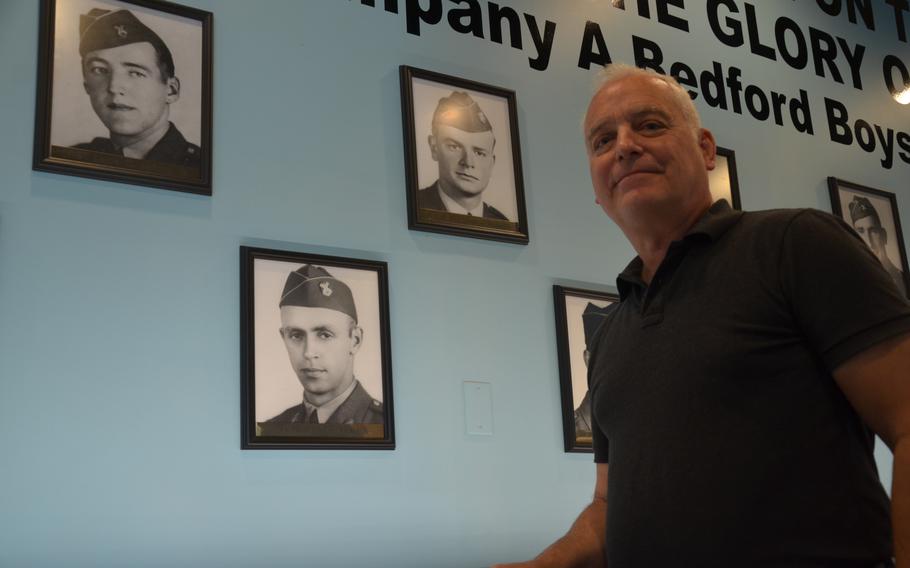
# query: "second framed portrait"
{"points": [[723, 180], [579, 314], [462, 157], [315, 352], [125, 92], [873, 215]]}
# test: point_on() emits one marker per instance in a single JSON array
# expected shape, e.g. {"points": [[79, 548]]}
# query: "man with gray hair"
{"points": [[736, 386]]}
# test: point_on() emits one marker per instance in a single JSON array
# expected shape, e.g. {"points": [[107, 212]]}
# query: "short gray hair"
{"points": [[617, 71]]}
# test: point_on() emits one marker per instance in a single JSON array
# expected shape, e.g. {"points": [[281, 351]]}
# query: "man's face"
{"points": [[321, 345], [126, 88], [643, 154], [465, 159], [871, 232]]}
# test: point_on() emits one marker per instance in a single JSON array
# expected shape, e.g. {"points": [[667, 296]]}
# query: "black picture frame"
{"points": [[890, 239], [72, 139], [724, 180], [499, 178], [578, 312], [273, 414]]}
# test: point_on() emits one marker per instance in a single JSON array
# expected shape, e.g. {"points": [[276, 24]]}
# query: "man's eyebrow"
{"points": [[137, 66]]}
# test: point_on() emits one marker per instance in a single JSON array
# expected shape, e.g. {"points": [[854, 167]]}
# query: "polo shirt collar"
{"points": [[712, 225]]}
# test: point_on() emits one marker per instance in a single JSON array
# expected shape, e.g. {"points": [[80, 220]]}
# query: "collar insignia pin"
{"points": [[326, 289]]}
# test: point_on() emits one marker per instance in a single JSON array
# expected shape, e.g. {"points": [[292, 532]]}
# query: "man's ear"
{"points": [[356, 339], [173, 90], [434, 149], [708, 147]]}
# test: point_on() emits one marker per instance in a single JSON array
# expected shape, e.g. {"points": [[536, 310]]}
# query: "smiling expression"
{"points": [[126, 88], [643, 154]]}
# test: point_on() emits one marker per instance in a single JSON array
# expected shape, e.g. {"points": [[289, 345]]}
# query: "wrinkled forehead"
{"points": [[467, 139], [302, 317]]}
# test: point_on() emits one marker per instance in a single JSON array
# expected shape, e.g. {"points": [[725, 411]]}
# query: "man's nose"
{"points": [[117, 83], [627, 143], [467, 158]]}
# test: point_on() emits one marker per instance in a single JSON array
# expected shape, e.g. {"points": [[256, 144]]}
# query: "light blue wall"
{"points": [[119, 364]]}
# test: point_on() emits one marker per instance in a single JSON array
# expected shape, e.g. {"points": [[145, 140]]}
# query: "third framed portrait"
{"points": [[873, 215], [579, 313], [462, 157], [723, 179], [315, 352], [125, 92]]}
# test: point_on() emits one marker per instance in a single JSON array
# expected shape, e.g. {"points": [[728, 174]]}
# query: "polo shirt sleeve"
{"points": [[842, 298]]}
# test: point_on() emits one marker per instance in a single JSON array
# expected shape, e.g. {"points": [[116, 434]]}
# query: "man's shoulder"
{"points": [[359, 408], [490, 212], [428, 197], [292, 414], [174, 148], [98, 144]]}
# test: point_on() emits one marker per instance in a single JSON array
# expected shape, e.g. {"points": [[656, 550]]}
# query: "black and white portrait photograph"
{"points": [[315, 352], [125, 92], [874, 216], [462, 157], [579, 314], [722, 180]]}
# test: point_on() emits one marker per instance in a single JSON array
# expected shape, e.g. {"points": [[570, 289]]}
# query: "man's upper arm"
{"points": [[600, 484], [876, 381]]}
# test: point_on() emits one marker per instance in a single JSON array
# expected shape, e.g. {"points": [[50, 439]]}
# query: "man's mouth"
{"points": [[463, 175], [312, 371], [119, 106]]}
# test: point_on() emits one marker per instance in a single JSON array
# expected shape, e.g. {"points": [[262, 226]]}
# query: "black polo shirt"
{"points": [[729, 442]]}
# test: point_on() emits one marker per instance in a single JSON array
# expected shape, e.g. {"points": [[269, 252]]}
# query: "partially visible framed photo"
{"points": [[462, 157], [578, 315], [723, 180], [125, 93], [873, 215], [316, 370]]}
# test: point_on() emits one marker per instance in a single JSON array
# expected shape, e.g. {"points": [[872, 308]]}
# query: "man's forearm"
{"points": [[583, 545]]}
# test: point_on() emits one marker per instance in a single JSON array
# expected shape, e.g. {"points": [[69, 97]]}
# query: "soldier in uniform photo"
{"points": [[462, 143], [129, 76], [591, 319], [321, 335], [868, 225]]}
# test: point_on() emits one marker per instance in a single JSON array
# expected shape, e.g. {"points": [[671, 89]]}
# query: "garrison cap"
{"points": [[861, 207], [313, 287], [103, 29], [591, 318], [462, 112]]}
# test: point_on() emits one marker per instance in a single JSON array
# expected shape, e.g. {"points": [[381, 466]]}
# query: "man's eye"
{"points": [[480, 153], [601, 142], [652, 126], [98, 70], [324, 335], [451, 146], [137, 74]]}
